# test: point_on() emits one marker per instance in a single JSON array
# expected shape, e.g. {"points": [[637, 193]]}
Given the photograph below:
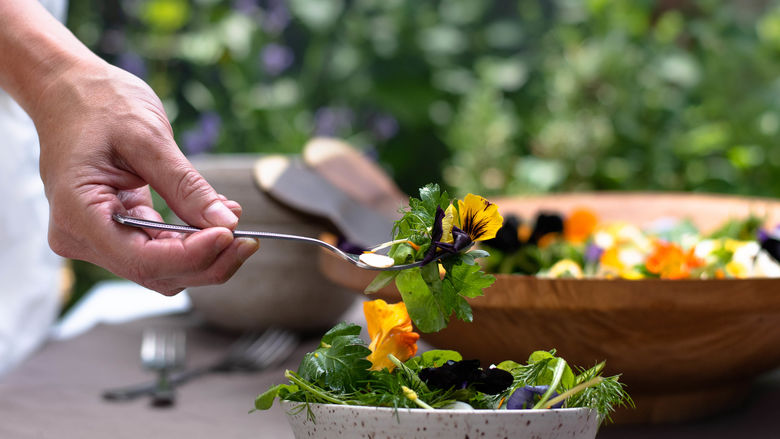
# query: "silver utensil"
{"points": [[350, 257], [162, 351], [252, 352]]}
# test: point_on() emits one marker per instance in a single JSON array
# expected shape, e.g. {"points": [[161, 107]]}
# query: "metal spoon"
{"points": [[352, 258]]}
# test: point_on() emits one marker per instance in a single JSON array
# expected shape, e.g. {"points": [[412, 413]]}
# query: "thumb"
{"points": [[185, 191]]}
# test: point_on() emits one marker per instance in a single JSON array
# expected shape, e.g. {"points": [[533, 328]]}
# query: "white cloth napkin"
{"points": [[114, 302]]}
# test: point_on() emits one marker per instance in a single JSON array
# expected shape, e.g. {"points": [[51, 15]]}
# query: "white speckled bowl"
{"points": [[348, 422]]}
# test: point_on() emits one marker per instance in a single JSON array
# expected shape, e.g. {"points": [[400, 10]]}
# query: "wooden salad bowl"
{"points": [[685, 348]]}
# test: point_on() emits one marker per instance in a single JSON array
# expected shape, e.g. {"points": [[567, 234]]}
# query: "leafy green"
{"points": [[422, 306], [432, 358], [316, 381], [340, 361], [585, 389]]}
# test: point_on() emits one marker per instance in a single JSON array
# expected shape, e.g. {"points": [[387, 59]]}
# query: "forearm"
{"points": [[35, 49]]}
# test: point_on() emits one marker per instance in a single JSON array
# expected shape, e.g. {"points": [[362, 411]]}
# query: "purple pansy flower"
{"points": [[460, 239], [462, 374], [593, 253], [770, 242], [527, 397]]}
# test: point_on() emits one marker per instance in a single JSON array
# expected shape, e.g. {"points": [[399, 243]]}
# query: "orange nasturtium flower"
{"points": [[579, 225], [390, 329], [670, 261]]}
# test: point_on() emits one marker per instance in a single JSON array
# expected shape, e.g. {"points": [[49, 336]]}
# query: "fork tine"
{"points": [[268, 338], [243, 342], [282, 347]]}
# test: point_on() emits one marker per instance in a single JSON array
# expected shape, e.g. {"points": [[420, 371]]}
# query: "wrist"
{"points": [[35, 52]]}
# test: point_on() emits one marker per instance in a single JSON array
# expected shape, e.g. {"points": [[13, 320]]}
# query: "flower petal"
{"points": [[479, 217], [447, 223], [390, 329], [579, 225]]}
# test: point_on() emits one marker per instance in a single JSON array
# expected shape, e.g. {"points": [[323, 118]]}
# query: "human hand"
{"points": [[105, 138]]}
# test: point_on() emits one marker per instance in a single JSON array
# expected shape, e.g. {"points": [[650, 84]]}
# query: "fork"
{"points": [[163, 352], [253, 351], [350, 257]]}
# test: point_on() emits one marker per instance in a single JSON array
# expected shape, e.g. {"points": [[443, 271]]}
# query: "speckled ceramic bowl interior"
{"points": [[347, 422]]}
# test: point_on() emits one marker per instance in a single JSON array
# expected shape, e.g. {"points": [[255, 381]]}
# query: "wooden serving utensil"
{"points": [[289, 181], [356, 175]]}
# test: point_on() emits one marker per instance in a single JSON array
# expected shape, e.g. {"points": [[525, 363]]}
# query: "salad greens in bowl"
{"points": [[687, 338], [387, 377], [348, 386]]}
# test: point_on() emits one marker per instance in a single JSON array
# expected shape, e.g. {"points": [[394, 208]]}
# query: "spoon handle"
{"points": [[354, 259], [149, 224]]}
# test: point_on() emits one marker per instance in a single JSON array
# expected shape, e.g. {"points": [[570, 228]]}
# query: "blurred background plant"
{"points": [[499, 97]]}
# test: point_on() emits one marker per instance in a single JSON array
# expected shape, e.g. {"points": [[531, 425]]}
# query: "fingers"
{"points": [[210, 256], [185, 191]]}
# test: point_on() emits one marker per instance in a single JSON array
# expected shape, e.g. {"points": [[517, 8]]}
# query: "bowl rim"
{"points": [[421, 411]]}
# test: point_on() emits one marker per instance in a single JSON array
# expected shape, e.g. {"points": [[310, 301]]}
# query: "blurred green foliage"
{"points": [[491, 97]]}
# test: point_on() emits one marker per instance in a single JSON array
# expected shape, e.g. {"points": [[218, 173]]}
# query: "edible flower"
{"points": [[621, 261], [669, 261], [770, 242], [476, 219], [465, 373], [749, 259], [526, 397], [390, 329], [479, 218], [579, 225], [565, 268]]}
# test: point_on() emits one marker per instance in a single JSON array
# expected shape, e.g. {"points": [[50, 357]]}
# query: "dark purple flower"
{"points": [[527, 397], [593, 253], [203, 137], [384, 127], [507, 239], [460, 239], [770, 242], [462, 374], [276, 58], [133, 63], [350, 247], [329, 121], [546, 223]]}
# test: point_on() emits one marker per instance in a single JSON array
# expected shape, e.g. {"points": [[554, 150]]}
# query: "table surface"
{"points": [[56, 393]]}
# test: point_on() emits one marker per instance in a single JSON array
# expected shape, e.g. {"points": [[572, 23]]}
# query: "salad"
{"points": [[388, 373], [579, 245]]}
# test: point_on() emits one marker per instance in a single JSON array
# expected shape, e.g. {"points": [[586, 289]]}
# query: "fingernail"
{"points": [[246, 248], [222, 241], [219, 215]]}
